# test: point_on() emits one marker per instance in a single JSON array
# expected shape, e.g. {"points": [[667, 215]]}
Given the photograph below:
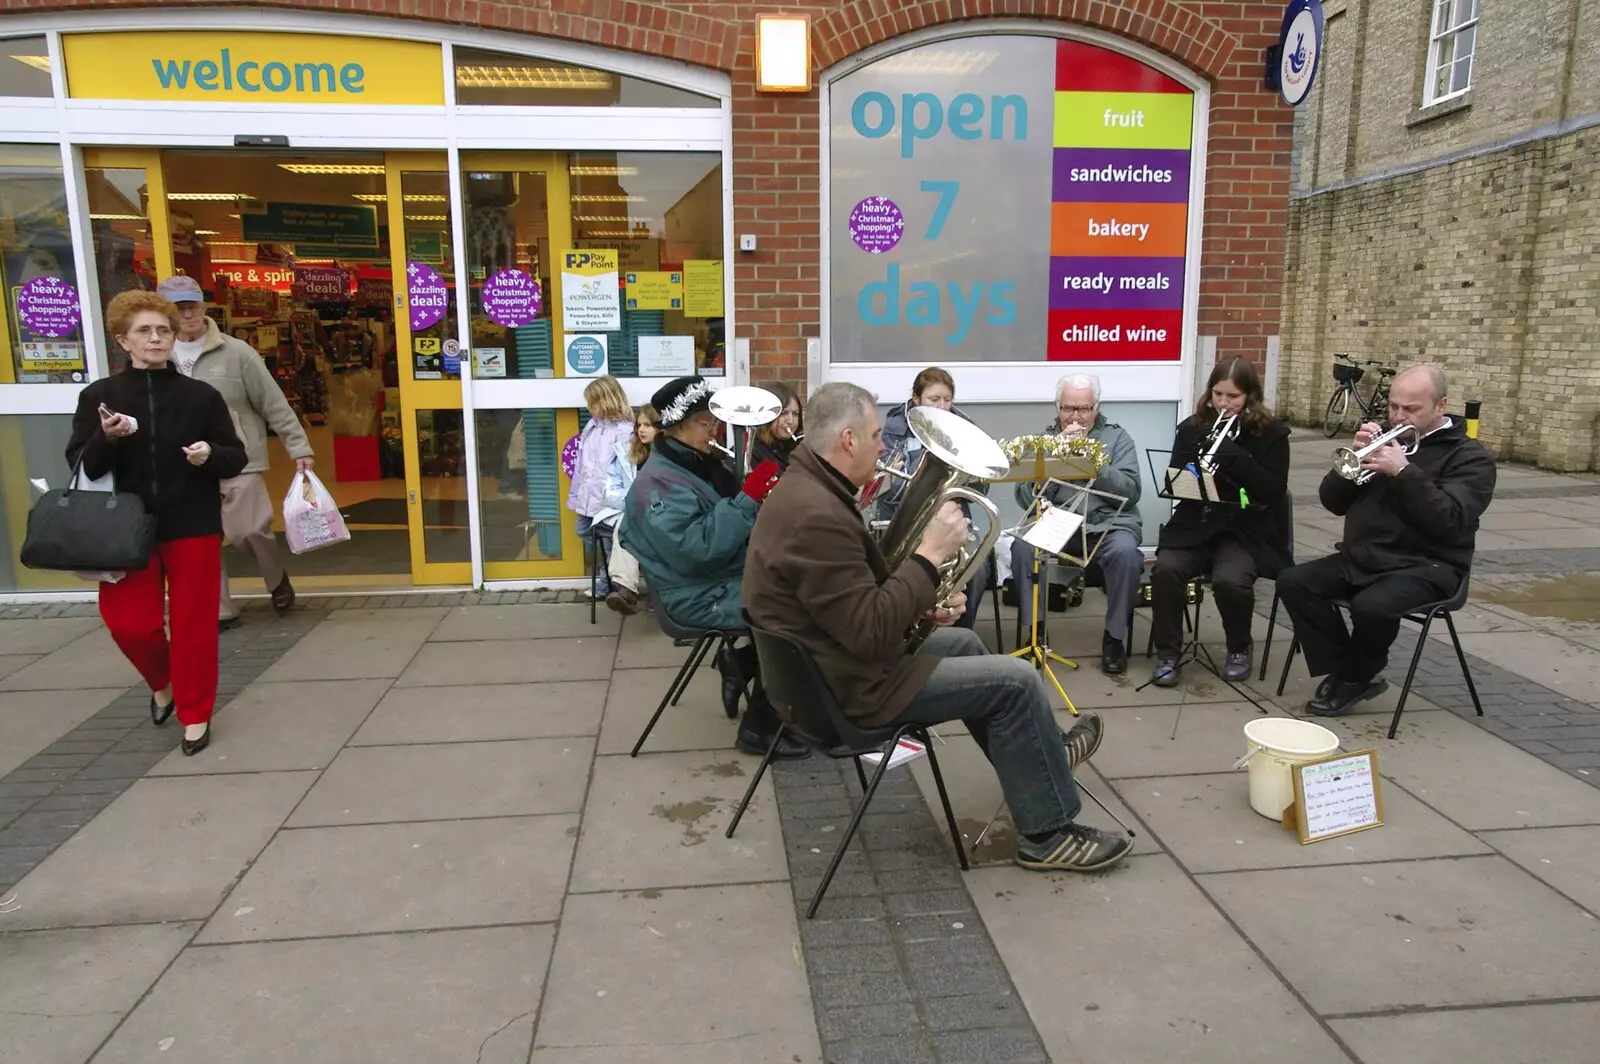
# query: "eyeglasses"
{"points": [[145, 332], [1074, 409]]}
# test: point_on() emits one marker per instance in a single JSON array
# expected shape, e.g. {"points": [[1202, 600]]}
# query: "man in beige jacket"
{"points": [[233, 367]]}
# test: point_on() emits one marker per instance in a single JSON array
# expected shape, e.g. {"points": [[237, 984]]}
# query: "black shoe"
{"points": [[1340, 695], [1166, 671], [756, 730], [732, 681], [1113, 656], [228, 624], [283, 595], [1084, 739], [158, 713], [1077, 848], [192, 747]]}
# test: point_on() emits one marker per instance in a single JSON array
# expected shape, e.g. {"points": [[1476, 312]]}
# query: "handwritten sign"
{"points": [[1336, 795]]}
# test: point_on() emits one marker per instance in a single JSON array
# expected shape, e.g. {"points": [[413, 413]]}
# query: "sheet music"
{"points": [[1188, 484], [1054, 527]]}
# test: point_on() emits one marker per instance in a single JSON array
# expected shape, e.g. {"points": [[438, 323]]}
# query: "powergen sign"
{"points": [[226, 67]]}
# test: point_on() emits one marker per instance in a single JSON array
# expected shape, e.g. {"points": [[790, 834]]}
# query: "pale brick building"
{"points": [[1447, 209]]}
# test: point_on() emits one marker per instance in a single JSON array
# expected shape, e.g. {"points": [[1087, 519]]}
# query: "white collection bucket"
{"points": [[1274, 744]]}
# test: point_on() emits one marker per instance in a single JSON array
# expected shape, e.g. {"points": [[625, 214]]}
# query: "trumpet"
{"points": [[747, 407], [1347, 460], [1226, 427]]}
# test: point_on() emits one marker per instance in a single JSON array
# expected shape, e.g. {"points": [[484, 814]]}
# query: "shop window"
{"points": [[661, 214], [1008, 199], [521, 500], [119, 226], [32, 447], [42, 330], [25, 68], [499, 79]]}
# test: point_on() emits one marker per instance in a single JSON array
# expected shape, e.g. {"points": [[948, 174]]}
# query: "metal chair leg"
{"points": [[944, 800], [1461, 656], [1272, 622], [1405, 689], [755, 781], [861, 773], [594, 575], [849, 833], [677, 687], [1294, 648], [994, 601]]}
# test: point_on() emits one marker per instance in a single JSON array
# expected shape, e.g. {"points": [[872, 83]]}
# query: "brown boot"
{"points": [[623, 600]]}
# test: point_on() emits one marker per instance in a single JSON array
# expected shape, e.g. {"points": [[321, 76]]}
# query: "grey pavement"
{"points": [[418, 837]]}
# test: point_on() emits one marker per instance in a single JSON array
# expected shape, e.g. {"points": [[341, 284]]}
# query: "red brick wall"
{"points": [[775, 137]]}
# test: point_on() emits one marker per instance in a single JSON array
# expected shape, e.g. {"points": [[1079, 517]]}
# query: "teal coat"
{"points": [[689, 540]]}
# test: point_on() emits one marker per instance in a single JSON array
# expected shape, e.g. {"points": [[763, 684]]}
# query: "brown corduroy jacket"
{"points": [[813, 572]]}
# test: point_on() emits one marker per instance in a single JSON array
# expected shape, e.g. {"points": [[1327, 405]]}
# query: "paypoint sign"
{"points": [[252, 68]]}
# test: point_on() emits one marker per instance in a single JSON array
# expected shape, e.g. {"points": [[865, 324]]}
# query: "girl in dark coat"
{"points": [[1241, 536], [776, 439]]}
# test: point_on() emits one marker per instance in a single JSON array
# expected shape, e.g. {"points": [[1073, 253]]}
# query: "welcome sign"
{"points": [[247, 67], [1009, 199]]}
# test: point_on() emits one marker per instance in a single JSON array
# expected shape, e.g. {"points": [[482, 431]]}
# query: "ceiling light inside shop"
{"points": [[949, 63], [604, 171], [533, 77], [38, 62], [427, 217], [233, 262], [619, 198], [332, 169], [208, 197], [117, 217], [620, 233], [415, 197], [609, 218], [208, 232]]}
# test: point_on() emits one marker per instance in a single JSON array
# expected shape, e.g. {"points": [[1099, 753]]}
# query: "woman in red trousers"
{"points": [[168, 439]]}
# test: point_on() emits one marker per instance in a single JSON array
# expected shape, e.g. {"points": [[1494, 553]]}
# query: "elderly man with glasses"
{"points": [[1114, 537]]}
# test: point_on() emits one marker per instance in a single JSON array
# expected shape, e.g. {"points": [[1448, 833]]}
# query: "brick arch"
{"points": [[1163, 25], [651, 29]]}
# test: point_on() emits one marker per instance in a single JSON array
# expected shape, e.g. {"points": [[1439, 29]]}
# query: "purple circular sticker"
{"points": [[428, 295], [512, 298], [876, 224], [569, 458], [48, 306]]}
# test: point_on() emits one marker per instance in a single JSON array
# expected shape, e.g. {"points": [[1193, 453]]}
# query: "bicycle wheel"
{"points": [[1338, 410]]}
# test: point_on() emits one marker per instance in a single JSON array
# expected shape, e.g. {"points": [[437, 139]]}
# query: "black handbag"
{"points": [[75, 530]]}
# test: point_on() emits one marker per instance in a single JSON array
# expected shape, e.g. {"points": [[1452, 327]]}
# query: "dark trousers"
{"points": [[1233, 583], [1360, 652]]}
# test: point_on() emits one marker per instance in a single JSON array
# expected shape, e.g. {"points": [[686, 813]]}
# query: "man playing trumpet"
{"points": [[1408, 539]]}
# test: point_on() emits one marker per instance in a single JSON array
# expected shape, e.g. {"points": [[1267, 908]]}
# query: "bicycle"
{"points": [[1347, 374]]}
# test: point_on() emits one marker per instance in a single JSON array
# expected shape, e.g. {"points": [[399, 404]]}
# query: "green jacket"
{"points": [[688, 536], [1120, 476]]}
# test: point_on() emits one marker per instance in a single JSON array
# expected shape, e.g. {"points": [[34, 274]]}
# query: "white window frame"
{"points": [[1449, 37]]}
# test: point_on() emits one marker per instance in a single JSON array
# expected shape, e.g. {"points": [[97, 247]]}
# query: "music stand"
{"points": [[1191, 484]]}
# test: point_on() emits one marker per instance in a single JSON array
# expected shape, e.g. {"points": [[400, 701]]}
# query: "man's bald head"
{"points": [[1417, 398]]}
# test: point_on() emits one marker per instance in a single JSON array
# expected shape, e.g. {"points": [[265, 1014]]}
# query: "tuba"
{"points": [[747, 407], [955, 453], [1347, 460]]}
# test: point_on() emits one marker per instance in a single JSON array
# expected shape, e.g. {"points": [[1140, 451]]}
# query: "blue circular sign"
{"points": [[586, 355], [1299, 50]]}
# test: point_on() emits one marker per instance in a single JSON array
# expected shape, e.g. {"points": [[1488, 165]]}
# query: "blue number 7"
{"points": [[947, 190]]}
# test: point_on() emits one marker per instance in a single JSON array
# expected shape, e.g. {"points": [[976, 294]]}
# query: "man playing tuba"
{"points": [[814, 573], [1408, 541]]}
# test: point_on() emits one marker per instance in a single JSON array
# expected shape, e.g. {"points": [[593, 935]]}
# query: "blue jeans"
{"points": [[1003, 703]]}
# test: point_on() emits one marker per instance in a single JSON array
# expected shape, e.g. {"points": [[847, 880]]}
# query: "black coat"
{"points": [[1256, 464], [173, 412], [777, 451], [1421, 523]]}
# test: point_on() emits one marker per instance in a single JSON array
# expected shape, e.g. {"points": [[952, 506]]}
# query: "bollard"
{"points": [[1472, 418]]}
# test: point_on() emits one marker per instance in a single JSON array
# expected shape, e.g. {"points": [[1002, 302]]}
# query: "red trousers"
{"points": [[187, 573]]}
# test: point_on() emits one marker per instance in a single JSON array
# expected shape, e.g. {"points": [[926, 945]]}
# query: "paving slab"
{"points": [[473, 623], [658, 820], [1207, 823], [1566, 858], [423, 998], [357, 645], [62, 992], [1089, 688], [474, 714], [1173, 740], [167, 849], [1462, 931], [1106, 966], [1523, 1034], [10, 663], [510, 661], [449, 781], [708, 974], [318, 882], [44, 635], [275, 727], [32, 720], [1542, 658], [1479, 781], [90, 661], [643, 645], [697, 722]]}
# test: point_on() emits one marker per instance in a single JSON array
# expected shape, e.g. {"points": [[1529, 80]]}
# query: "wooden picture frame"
{"points": [[1334, 816]]}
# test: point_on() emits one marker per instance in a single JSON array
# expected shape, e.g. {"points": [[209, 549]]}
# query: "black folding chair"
{"points": [[1424, 616], [809, 712], [1272, 616], [699, 641], [599, 558]]}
